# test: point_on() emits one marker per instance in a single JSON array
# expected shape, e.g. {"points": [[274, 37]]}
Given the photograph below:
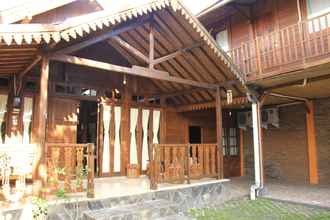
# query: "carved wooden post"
{"points": [[68, 158], [90, 167], [219, 134], [79, 158], [39, 167]]}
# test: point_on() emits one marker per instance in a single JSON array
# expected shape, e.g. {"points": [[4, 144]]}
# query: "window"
{"points": [[317, 7], [222, 40], [229, 141]]}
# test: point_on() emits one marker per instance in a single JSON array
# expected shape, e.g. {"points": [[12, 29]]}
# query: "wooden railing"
{"points": [[69, 164], [284, 50], [177, 163]]}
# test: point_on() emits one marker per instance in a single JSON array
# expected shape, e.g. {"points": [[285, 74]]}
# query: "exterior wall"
{"points": [[322, 123], [285, 148]]}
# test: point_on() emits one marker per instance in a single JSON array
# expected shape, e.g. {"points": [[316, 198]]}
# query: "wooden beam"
{"points": [[151, 46], [29, 67], [176, 53], [129, 47], [208, 105], [135, 70], [40, 169], [311, 144], [219, 133], [114, 32], [286, 96]]}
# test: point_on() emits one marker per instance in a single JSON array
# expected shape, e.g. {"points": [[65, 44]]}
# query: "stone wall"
{"points": [[285, 148]]}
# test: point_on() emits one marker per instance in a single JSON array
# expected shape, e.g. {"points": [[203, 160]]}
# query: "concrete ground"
{"points": [[317, 195]]}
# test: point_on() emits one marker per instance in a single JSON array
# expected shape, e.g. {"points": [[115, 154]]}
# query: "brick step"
{"points": [[151, 209]]}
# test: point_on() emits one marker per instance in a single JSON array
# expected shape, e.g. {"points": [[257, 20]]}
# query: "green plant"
{"points": [[40, 208], [60, 193]]}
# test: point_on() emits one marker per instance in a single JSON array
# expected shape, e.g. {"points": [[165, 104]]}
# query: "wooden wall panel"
{"points": [[62, 120]]}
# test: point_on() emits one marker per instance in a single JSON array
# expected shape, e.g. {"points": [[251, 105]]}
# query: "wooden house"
{"points": [[142, 90], [282, 47], [152, 89]]}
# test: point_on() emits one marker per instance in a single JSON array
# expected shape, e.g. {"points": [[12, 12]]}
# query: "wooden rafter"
{"points": [[176, 53], [29, 67], [102, 37], [132, 49], [135, 70]]}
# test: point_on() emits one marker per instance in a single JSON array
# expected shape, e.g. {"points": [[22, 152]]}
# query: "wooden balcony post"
{"points": [[219, 134], [39, 167], [90, 174]]}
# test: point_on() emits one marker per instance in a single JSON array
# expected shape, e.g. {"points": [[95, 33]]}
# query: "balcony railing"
{"points": [[284, 50], [70, 165], [177, 163]]}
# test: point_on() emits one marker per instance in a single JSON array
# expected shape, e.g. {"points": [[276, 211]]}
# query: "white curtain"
{"points": [[106, 139], [155, 128], [3, 109], [133, 121], [27, 118], [145, 145], [117, 139]]}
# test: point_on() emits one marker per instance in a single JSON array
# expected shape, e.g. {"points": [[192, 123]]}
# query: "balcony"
{"points": [[292, 48]]}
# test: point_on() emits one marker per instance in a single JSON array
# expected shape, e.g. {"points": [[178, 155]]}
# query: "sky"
{"points": [[194, 5], [115, 5]]}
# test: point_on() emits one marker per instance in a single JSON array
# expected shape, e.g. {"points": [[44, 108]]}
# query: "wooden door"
{"points": [[62, 120]]}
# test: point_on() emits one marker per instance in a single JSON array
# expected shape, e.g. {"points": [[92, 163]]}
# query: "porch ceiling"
{"points": [[193, 54]]}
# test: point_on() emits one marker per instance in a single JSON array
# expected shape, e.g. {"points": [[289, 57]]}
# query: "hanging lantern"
{"points": [[229, 97]]}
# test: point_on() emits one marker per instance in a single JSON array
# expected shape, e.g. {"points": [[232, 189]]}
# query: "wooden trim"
{"points": [[311, 144]]}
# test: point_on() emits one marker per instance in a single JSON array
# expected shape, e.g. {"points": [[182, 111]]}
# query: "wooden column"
{"points": [[311, 144], [241, 151], [219, 134], [39, 169], [125, 132]]}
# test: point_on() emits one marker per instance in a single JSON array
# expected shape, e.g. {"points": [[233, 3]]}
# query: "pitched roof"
{"points": [[176, 28]]}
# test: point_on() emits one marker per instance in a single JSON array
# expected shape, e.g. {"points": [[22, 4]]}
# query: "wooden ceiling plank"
{"points": [[171, 65], [143, 43], [138, 45], [175, 53], [177, 39], [142, 32]]}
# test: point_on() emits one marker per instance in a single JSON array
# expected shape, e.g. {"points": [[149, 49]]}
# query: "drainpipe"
{"points": [[257, 188]]}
